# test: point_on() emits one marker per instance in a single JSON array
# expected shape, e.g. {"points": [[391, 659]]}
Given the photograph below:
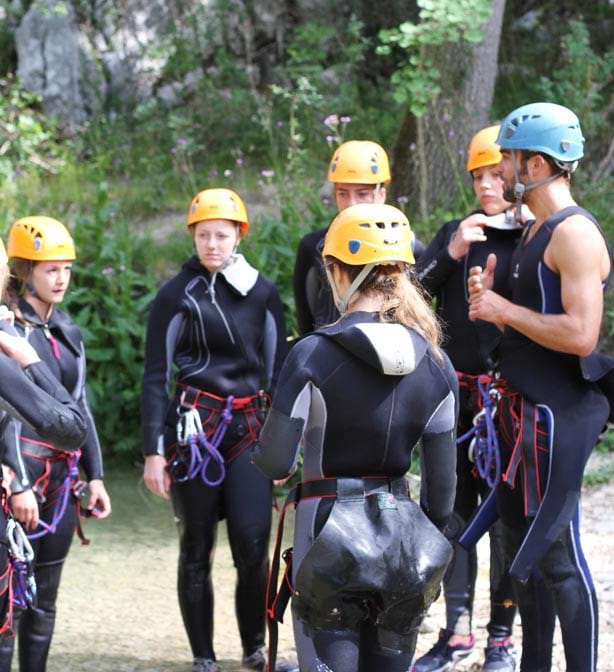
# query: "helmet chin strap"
{"points": [[342, 301], [520, 189]]}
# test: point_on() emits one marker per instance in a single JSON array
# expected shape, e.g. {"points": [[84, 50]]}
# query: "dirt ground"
{"points": [[118, 612]]}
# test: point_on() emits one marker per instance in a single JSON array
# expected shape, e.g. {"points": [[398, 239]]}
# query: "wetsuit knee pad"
{"points": [[47, 584], [252, 552], [194, 579]]}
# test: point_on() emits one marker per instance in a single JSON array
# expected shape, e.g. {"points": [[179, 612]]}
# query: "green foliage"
{"points": [[272, 246], [113, 287], [601, 476], [26, 137], [442, 22], [581, 81]]}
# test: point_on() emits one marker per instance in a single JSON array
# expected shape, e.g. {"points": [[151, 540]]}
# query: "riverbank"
{"points": [[118, 612]]}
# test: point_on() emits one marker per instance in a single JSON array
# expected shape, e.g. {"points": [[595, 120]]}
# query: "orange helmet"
{"points": [[218, 204], [370, 233], [359, 162], [40, 238], [483, 150], [366, 234]]}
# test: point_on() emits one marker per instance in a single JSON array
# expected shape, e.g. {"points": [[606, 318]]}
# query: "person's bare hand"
{"points": [[469, 231], [481, 279], [488, 306], [19, 349], [99, 502], [156, 477], [25, 509]]}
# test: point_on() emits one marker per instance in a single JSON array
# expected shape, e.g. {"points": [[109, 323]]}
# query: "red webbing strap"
{"points": [[80, 533], [7, 625], [272, 603]]}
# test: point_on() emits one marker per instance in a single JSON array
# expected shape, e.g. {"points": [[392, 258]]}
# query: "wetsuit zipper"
{"points": [[219, 310]]}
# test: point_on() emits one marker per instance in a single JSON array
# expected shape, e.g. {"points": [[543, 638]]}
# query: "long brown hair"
{"points": [[405, 302], [18, 273]]}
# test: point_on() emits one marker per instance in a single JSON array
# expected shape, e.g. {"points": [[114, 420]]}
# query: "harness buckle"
{"points": [[189, 398]]}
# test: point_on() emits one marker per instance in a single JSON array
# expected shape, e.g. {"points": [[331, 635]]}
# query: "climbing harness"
{"points": [[21, 559], [484, 447], [49, 455], [195, 451], [198, 444]]}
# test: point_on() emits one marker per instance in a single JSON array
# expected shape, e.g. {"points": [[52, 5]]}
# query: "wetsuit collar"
{"points": [[238, 272], [391, 348], [59, 322], [27, 310]]}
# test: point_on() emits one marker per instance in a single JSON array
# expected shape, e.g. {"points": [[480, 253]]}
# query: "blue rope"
{"points": [[485, 443], [61, 502], [203, 451]]}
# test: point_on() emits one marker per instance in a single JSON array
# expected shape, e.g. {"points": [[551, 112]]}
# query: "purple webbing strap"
{"points": [[203, 450], [61, 501]]}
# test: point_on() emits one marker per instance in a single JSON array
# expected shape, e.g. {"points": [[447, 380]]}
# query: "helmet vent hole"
{"points": [[365, 225], [394, 224], [380, 225]]}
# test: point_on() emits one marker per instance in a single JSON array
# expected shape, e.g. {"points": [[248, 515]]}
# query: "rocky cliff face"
{"points": [[85, 55], [77, 61]]}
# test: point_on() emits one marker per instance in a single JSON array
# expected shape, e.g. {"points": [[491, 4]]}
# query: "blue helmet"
{"points": [[547, 128]]}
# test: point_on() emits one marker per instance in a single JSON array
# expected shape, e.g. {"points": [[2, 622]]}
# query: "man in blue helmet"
{"points": [[555, 409]]}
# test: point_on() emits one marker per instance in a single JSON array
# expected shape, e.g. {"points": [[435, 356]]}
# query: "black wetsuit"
{"points": [[557, 416], [471, 347], [314, 300], [60, 345], [35, 398], [358, 396], [225, 335]]}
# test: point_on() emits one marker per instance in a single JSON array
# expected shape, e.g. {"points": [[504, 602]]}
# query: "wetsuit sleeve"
{"points": [[274, 345], [435, 265], [165, 323], [10, 439], [304, 317], [278, 447], [37, 399], [438, 456], [91, 458]]}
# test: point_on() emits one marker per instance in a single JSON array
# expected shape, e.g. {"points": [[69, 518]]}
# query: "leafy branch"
{"points": [[441, 23]]}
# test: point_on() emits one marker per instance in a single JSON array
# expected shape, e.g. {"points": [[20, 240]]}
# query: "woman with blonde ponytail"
{"points": [[358, 395]]}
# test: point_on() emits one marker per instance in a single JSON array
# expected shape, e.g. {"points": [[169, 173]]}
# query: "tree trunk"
{"points": [[430, 152]]}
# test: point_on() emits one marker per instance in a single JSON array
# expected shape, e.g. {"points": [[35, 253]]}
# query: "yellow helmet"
{"points": [[4, 258], [370, 233], [483, 151], [218, 204], [40, 239], [359, 162]]}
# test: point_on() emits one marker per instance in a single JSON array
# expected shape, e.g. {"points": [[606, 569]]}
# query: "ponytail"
{"points": [[404, 301]]}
